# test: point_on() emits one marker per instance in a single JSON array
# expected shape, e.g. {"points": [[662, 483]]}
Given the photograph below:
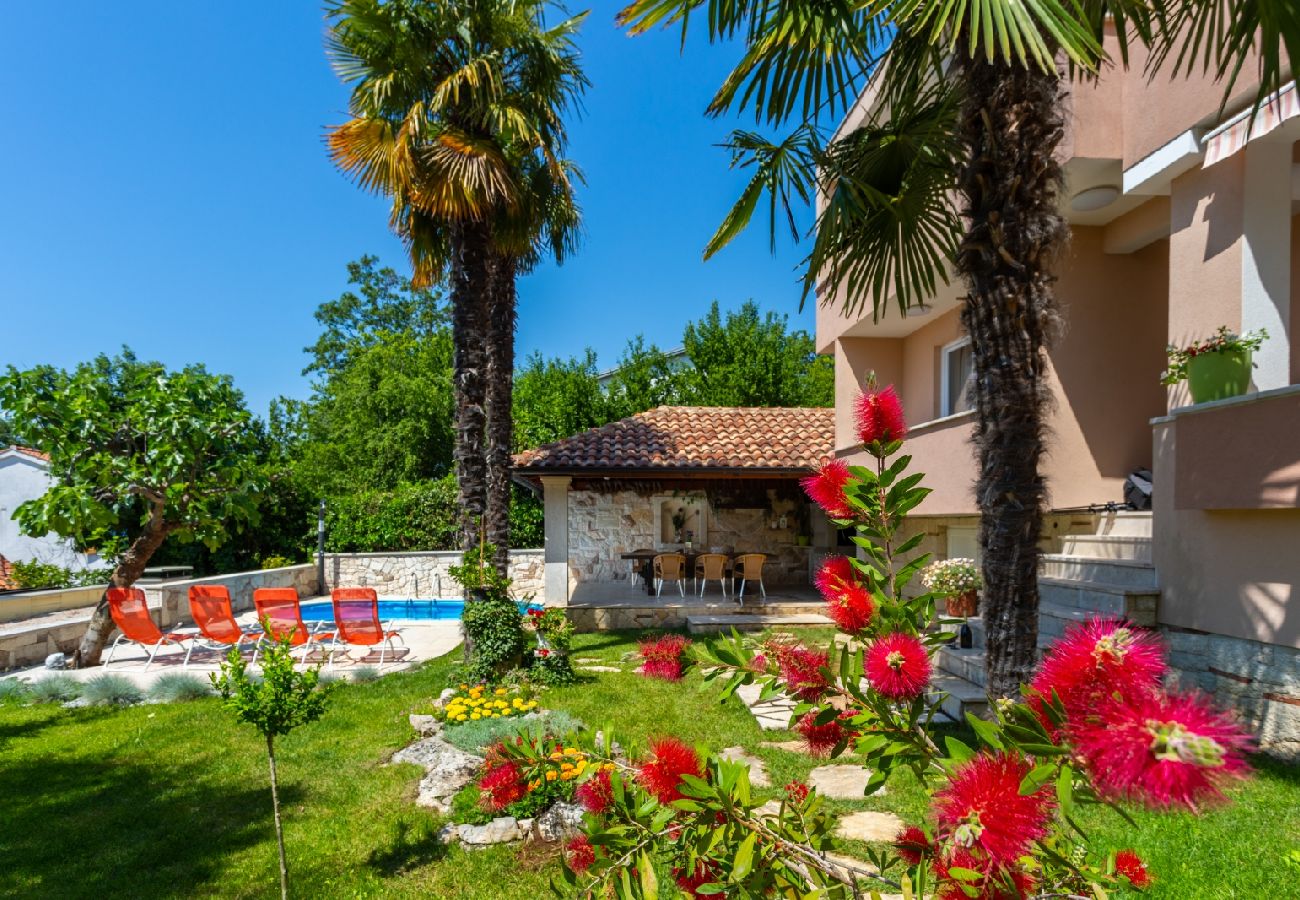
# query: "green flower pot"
{"points": [[1218, 375]]}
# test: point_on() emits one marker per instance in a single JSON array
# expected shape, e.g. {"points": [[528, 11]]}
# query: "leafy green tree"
{"points": [[7, 434], [644, 378], [748, 359], [137, 455], [555, 398], [954, 167], [275, 704]]}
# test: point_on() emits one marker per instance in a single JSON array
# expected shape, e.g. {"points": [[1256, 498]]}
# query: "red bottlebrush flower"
{"points": [[983, 810], [898, 666], [595, 794], [879, 416], [1161, 750], [1131, 866], [801, 670], [501, 786], [826, 488], [848, 600], [705, 873], [912, 845], [669, 761], [663, 669], [1096, 659], [662, 657], [796, 792], [821, 739], [758, 663], [579, 854]]}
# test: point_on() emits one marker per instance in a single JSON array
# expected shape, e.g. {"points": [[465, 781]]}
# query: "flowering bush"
{"points": [[952, 577], [1096, 728], [1221, 340], [472, 703], [662, 657], [525, 776], [554, 633]]}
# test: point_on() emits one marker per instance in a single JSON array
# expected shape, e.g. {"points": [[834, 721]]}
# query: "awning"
{"points": [[1232, 135]]}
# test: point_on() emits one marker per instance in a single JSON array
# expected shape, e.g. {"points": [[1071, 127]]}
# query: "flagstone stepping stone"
{"points": [[841, 782], [757, 774], [787, 746], [769, 810], [599, 669], [875, 827], [588, 659], [772, 715]]}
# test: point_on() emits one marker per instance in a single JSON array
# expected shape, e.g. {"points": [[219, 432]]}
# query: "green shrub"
{"points": [[12, 691], [39, 576], [364, 674], [416, 516], [475, 737], [55, 689], [174, 687], [496, 638], [112, 690], [276, 562]]}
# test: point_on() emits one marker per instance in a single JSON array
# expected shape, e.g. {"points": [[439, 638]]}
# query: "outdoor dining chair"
{"points": [[130, 614], [356, 616], [748, 567], [280, 614], [711, 567], [210, 607], [670, 567]]}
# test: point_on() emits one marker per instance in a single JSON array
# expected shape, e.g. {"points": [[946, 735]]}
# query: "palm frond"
{"points": [[784, 171], [373, 154]]}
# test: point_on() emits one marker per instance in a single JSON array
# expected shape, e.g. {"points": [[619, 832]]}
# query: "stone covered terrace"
{"points": [[724, 479]]}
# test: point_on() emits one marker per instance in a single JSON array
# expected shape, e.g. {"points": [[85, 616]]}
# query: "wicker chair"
{"points": [[748, 567], [670, 567], [710, 567]]}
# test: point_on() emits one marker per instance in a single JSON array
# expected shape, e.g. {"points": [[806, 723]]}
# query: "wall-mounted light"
{"points": [[1094, 198]]}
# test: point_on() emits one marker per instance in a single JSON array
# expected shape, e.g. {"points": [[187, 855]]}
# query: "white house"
{"points": [[25, 475]]}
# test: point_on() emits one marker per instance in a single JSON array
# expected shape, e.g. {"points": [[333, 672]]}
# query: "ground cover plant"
{"points": [[185, 795]]}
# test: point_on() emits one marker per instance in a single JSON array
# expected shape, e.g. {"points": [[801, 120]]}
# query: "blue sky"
{"points": [[165, 186]]}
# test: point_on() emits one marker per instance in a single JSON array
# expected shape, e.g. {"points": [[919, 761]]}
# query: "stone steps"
{"points": [[1126, 523], [1107, 546], [962, 696], [1127, 572], [967, 664], [1097, 598], [721, 624]]}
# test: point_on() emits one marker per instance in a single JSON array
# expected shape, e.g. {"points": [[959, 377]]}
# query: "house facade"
{"points": [[25, 475], [1182, 220]]}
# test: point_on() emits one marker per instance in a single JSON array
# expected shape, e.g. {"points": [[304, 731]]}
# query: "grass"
{"points": [[172, 800]]}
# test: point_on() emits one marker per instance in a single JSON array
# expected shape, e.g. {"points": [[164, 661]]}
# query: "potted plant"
{"points": [[1217, 367], [958, 580], [679, 523]]}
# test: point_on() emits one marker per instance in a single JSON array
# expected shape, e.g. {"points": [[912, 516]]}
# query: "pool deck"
{"points": [[425, 639]]}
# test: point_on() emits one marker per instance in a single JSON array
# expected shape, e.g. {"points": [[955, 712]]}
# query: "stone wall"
{"points": [[603, 525], [1260, 681], [28, 604], [172, 598], [423, 575]]}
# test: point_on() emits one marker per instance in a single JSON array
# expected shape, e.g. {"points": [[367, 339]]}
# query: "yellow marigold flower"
{"points": [[582, 764], [550, 776], [566, 766], [475, 716], [501, 692], [464, 687], [566, 776], [570, 751], [556, 756], [461, 718]]}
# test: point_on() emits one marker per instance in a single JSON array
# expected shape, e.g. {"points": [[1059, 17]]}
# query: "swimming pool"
{"points": [[412, 610]]}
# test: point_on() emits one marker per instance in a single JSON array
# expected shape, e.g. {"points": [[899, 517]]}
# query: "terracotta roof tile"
{"points": [[695, 437], [28, 451], [7, 582]]}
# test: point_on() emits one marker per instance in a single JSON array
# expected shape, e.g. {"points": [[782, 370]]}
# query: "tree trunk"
{"points": [[500, 416], [279, 829], [469, 288], [1011, 124], [129, 569]]}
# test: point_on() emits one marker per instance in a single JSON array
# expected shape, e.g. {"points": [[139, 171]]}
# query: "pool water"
{"points": [[412, 610]]}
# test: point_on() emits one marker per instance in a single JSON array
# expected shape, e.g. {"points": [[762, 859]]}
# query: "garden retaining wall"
{"points": [[423, 575]]}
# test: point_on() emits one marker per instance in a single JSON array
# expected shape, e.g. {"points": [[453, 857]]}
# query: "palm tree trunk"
{"points": [[500, 418], [128, 571], [469, 289], [1011, 124]]}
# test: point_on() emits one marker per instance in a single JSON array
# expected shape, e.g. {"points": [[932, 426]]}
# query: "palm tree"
{"points": [[968, 107], [449, 101]]}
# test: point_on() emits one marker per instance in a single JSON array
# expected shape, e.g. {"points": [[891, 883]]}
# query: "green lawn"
{"points": [[172, 800]]}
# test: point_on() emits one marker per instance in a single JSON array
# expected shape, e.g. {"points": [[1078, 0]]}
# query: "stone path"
{"points": [[757, 773], [772, 715], [869, 826], [787, 746], [599, 669], [842, 782]]}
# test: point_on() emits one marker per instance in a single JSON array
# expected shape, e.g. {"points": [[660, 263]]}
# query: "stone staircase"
{"points": [[1107, 573]]}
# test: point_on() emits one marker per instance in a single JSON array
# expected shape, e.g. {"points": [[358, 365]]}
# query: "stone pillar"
{"points": [[555, 499], [1266, 258]]}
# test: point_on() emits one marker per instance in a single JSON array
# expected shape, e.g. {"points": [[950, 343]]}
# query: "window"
{"points": [[958, 367]]}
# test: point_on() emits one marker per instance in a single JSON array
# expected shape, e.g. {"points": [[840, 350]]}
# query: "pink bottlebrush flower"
{"points": [[501, 786], [1096, 659], [848, 600], [596, 793], [705, 873], [801, 670], [879, 416], [662, 669], [669, 761], [579, 854], [1161, 750], [663, 657], [1131, 866], [912, 845], [796, 792], [826, 488], [898, 666], [758, 663], [821, 739], [983, 810]]}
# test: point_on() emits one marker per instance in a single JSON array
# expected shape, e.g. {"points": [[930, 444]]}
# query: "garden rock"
{"points": [[869, 826], [558, 822], [56, 661], [616, 751], [425, 725], [449, 834], [841, 782], [447, 769], [498, 831], [78, 703], [757, 774]]}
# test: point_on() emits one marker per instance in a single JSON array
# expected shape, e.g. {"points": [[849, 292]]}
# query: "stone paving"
{"points": [[773, 714], [877, 827], [757, 772], [843, 782]]}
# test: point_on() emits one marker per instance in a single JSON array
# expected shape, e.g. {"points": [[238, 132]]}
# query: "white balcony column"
{"points": [[555, 503], [1266, 258]]}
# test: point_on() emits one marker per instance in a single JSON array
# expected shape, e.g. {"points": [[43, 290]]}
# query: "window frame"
{"points": [[945, 375]]}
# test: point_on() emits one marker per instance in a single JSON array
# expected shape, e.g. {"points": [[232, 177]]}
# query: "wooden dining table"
{"points": [[647, 561]]}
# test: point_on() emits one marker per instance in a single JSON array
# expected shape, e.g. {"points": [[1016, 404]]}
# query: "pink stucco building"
{"points": [[1180, 224]]}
